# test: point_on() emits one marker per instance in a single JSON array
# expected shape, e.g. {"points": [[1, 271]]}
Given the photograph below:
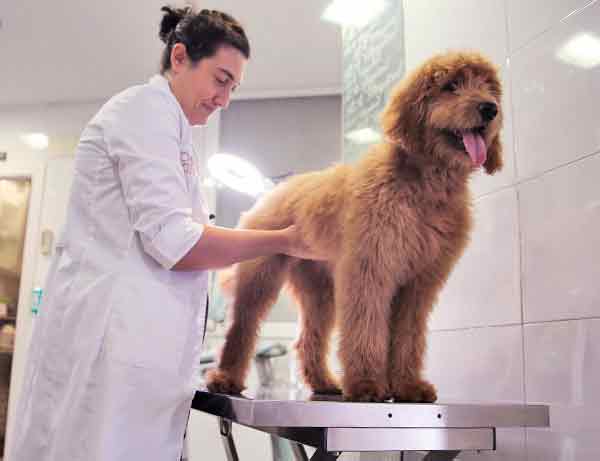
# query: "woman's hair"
{"points": [[201, 33]]}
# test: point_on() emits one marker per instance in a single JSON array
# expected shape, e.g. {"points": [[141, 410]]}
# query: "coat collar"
{"points": [[160, 81]]}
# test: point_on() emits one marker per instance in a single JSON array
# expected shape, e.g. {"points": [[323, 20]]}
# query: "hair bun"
{"points": [[169, 22]]}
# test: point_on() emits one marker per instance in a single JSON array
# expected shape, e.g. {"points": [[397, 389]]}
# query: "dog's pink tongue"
{"points": [[475, 147]]}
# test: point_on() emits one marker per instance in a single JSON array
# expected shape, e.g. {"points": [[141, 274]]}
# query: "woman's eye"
{"points": [[221, 82], [451, 86]]}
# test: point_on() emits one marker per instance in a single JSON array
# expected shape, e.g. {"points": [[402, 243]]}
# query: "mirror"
{"points": [[14, 208]]}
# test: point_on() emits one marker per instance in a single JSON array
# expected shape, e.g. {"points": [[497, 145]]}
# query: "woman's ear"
{"points": [[178, 57]]}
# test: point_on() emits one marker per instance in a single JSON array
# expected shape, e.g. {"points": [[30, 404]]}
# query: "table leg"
{"points": [[227, 438], [299, 451], [321, 455]]}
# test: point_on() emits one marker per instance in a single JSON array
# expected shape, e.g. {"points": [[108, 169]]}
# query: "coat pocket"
{"points": [[148, 325]]}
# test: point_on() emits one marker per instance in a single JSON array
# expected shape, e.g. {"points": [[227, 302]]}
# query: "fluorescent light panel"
{"points": [[356, 13], [37, 141], [583, 50]]}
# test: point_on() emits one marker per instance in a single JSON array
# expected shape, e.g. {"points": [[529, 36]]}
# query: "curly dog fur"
{"points": [[393, 226]]}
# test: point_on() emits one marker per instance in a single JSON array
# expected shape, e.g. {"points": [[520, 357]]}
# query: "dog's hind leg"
{"points": [[257, 286], [312, 286], [408, 329]]}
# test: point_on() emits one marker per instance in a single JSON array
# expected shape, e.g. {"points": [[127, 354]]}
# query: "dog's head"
{"points": [[450, 109]]}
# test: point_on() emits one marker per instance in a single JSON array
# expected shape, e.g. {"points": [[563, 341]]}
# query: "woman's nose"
{"points": [[222, 98]]}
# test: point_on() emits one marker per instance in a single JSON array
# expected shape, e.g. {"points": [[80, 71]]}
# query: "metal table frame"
{"points": [[333, 426]]}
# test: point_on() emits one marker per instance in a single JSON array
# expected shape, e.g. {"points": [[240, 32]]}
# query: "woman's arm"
{"points": [[220, 247]]}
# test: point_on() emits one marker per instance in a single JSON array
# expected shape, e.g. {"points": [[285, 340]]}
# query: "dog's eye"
{"points": [[451, 86]]}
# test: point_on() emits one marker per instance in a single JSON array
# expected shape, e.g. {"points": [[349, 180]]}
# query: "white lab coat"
{"points": [[114, 358]]}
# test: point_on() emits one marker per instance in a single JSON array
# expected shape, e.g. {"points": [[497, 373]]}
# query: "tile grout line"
{"points": [[518, 183], [519, 224], [514, 324]]}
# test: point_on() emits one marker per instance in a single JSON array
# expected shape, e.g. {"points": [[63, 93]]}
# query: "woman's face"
{"points": [[205, 87]]}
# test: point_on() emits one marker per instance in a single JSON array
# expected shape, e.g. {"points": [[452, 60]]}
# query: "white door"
{"points": [[59, 177]]}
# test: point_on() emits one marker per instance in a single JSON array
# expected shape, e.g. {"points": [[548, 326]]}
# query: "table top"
{"points": [[300, 408]]}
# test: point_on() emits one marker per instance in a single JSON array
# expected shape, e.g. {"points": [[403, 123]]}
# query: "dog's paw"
{"points": [[219, 382], [327, 389], [322, 383], [366, 390], [419, 391]]}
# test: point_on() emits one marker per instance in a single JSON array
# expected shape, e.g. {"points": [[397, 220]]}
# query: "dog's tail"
{"points": [[227, 280]]}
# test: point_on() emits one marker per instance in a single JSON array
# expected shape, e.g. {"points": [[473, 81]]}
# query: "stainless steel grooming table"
{"points": [[333, 426]]}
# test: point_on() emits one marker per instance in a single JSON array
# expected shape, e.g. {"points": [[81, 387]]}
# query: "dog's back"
{"points": [[312, 201]]}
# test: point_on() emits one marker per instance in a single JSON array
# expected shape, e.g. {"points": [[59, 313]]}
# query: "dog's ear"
{"points": [[494, 161], [402, 119]]}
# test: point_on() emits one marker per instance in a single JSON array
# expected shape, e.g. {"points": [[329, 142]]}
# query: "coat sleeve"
{"points": [[144, 142]]}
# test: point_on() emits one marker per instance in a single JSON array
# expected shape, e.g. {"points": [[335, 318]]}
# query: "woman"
{"points": [[113, 363]]}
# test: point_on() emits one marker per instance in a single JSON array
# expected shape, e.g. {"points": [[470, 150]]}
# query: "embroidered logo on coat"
{"points": [[188, 164]]}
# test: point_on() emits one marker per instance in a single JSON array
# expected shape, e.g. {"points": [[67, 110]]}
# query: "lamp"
{"points": [[238, 174]]}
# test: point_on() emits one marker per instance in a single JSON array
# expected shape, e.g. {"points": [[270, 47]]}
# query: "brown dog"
{"points": [[394, 226]]}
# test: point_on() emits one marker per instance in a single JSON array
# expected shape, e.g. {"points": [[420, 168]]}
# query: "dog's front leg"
{"points": [[363, 291], [408, 329]]}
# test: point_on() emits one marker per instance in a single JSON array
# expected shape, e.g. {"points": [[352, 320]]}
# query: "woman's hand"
{"points": [[298, 247]]}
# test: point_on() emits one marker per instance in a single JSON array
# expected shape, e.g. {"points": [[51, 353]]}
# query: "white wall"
{"points": [[61, 122], [519, 319]]}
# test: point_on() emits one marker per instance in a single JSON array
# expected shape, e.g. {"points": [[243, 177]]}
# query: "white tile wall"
{"points": [[481, 364], [563, 370], [556, 103], [433, 26], [543, 216], [528, 19], [560, 215], [484, 288]]}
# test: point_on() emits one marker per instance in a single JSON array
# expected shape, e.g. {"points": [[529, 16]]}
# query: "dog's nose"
{"points": [[488, 111]]}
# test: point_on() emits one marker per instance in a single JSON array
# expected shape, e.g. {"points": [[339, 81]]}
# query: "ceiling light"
{"points": [[364, 136], [236, 173], [353, 12], [583, 50], [37, 141]]}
